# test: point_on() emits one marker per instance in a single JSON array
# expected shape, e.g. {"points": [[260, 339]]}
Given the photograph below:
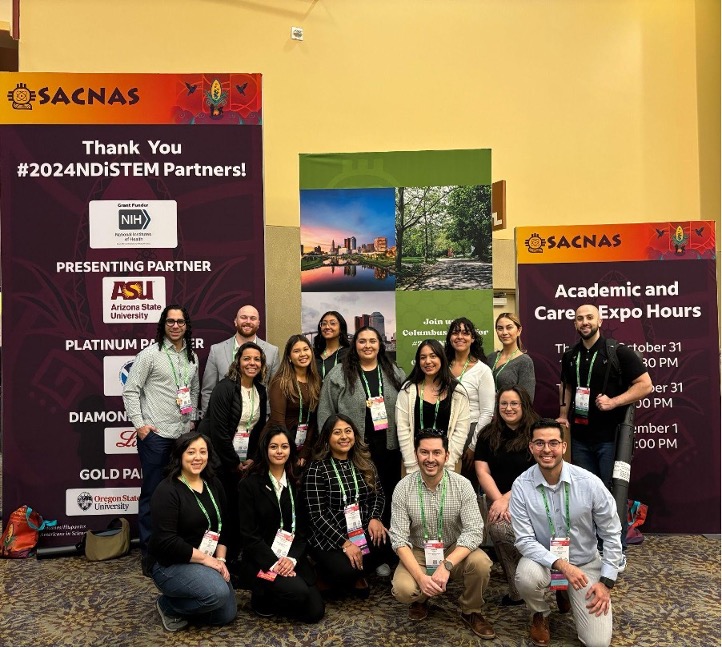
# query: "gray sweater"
{"points": [[337, 399], [518, 371]]}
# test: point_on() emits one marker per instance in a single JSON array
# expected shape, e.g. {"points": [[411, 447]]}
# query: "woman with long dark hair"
{"points": [[294, 392], [344, 500], [512, 365], [234, 420], [364, 388], [187, 551], [502, 454], [467, 361], [431, 398], [331, 342], [273, 535]]}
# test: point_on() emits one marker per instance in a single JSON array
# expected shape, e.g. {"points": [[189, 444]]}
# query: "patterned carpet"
{"points": [[668, 596]]}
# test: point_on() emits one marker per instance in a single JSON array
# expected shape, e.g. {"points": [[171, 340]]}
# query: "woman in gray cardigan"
{"points": [[364, 387]]}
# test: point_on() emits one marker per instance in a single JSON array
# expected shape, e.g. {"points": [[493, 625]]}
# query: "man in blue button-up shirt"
{"points": [[557, 499]]}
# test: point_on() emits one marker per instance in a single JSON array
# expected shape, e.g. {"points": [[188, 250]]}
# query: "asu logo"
{"points": [[21, 98], [130, 290]]}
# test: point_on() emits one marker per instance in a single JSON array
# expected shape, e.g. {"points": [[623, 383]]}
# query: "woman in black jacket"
{"points": [[234, 420], [274, 563]]}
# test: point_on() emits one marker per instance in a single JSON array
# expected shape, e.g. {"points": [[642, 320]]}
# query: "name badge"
{"points": [[282, 543], [241, 439], [378, 412], [209, 543], [183, 398], [301, 434], [281, 547], [434, 555], [560, 548], [353, 517], [358, 537], [581, 405]]}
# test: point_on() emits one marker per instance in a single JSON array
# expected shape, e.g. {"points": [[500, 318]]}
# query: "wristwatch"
{"points": [[448, 565], [607, 581]]}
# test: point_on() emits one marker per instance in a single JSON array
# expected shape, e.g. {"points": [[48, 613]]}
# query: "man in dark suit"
{"points": [[221, 355]]}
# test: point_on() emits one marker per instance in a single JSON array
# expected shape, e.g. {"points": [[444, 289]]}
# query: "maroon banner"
{"points": [[667, 310], [102, 226]]}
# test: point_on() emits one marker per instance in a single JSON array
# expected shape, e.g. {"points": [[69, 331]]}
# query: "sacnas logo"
{"points": [[132, 299], [22, 97], [535, 244]]}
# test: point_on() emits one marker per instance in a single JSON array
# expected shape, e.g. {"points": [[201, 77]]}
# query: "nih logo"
{"points": [[133, 219]]}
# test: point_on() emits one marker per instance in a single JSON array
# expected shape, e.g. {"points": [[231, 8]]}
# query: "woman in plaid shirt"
{"points": [[344, 500]]}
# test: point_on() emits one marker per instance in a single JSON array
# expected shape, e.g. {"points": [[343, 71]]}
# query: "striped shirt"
{"points": [[462, 523], [152, 387], [325, 502]]}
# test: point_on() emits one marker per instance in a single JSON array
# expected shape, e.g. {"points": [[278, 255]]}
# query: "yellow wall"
{"points": [[590, 107]]}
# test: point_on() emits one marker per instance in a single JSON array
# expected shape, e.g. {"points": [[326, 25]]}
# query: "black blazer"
{"points": [[221, 420], [259, 521]]}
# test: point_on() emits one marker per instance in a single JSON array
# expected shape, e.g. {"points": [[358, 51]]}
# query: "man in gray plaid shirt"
{"points": [[436, 529]]}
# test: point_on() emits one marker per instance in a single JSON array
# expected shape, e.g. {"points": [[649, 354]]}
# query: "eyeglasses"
{"points": [[172, 322], [553, 444], [512, 404]]}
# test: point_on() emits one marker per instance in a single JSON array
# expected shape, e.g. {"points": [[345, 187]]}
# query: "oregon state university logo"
{"points": [[85, 500], [21, 97]]}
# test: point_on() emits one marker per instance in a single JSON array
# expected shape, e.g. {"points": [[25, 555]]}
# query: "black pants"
{"points": [[388, 466], [335, 568], [290, 597]]}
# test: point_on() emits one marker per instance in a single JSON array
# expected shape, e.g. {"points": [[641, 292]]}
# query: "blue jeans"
{"points": [[154, 453], [598, 459], [194, 590]]}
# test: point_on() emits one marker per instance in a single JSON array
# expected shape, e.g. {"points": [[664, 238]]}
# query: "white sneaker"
{"points": [[384, 571], [622, 564]]}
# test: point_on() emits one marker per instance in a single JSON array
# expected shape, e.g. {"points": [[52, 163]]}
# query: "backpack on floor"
{"points": [[21, 534]]}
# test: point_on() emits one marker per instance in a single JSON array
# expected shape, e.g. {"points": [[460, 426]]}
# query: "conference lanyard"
{"points": [[440, 519], [172, 368], [203, 508], [300, 405], [277, 488], [552, 528], [496, 360], [589, 375], [340, 483], [368, 389], [463, 369], [421, 409]]}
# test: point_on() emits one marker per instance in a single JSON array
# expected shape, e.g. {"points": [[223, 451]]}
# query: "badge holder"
{"points": [[209, 542], [281, 547], [433, 554], [379, 417], [560, 548], [581, 405], [241, 440], [354, 527], [183, 398]]}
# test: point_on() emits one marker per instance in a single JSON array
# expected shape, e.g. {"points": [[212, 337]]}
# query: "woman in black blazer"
{"points": [[273, 562], [234, 419]]}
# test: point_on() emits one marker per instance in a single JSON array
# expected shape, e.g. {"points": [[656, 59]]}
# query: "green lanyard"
{"points": [[421, 409], [172, 368], [496, 360], [323, 362], [250, 414], [552, 529], [203, 508], [366, 384], [277, 488], [589, 375], [440, 519], [463, 369], [300, 405], [340, 483]]}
